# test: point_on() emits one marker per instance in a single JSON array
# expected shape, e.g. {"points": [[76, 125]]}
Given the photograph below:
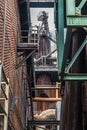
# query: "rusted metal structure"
{"points": [[32, 86], [45, 89], [72, 59]]}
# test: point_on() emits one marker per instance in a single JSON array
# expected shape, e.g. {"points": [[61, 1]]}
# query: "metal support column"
{"points": [[58, 109], [60, 33]]}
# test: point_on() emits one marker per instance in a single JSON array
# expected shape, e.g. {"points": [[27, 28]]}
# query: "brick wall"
{"points": [[15, 76]]}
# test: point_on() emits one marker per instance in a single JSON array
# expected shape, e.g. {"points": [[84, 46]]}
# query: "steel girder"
{"points": [[64, 47]]}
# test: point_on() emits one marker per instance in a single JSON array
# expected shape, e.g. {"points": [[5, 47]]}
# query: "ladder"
{"points": [[48, 87], [4, 101], [41, 121]]}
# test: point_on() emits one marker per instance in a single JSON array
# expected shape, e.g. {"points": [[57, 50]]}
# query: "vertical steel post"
{"points": [[78, 67], [58, 108], [60, 33]]}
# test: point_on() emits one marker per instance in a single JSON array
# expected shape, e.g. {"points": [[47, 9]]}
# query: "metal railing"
{"points": [[28, 36], [47, 60]]}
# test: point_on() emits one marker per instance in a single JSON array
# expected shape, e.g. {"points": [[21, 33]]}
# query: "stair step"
{"points": [[46, 99], [1, 99], [2, 114], [43, 122], [40, 88], [3, 90], [3, 83], [27, 46]]}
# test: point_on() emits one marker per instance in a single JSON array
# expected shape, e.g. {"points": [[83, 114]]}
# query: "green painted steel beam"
{"points": [[76, 55], [75, 77], [73, 14], [77, 20], [63, 49], [60, 33], [66, 49]]}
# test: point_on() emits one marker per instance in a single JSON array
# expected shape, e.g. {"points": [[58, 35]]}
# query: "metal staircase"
{"points": [[44, 93], [39, 60], [40, 121], [48, 87]]}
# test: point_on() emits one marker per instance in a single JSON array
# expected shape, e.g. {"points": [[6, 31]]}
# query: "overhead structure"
{"points": [[55, 93], [46, 75], [72, 67], [35, 55], [76, 17], [41, 4]]}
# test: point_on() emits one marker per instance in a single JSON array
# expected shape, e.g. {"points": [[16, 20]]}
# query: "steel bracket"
{"points": [[74, 16]]}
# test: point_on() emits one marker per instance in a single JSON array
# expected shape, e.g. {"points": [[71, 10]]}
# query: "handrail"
{"points": [[26, 35]]}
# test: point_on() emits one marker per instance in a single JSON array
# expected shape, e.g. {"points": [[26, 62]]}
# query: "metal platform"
{"points": [[46, 68], [27, 46], [44, 122]]}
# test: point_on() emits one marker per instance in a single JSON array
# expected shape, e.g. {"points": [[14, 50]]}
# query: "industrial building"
{"points": [[43, 64]]}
